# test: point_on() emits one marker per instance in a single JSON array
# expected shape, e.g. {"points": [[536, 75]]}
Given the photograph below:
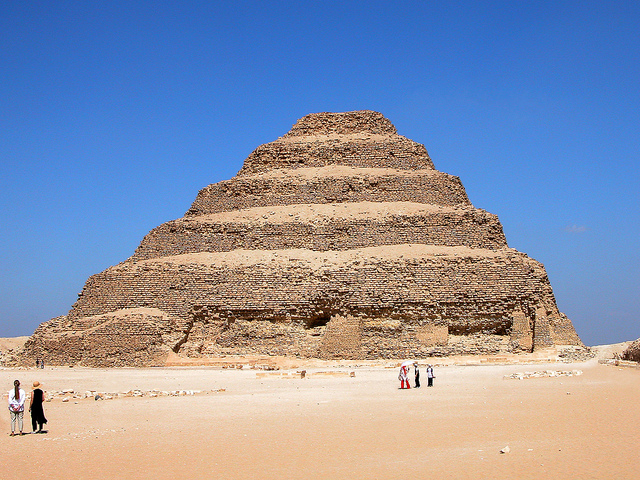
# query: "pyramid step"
{"points": [[297, 284], [390, 151], [330, 185], [342, 123], [325, 227]]}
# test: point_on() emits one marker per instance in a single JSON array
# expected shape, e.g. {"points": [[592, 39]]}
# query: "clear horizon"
{"points": [[114, 117]]}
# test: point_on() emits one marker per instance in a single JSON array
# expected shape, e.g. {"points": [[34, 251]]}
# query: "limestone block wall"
{"points": [[374, 151], [343, 338], [562, 331], [343, 123], [130, 337], [262, 230], [444, 289], [521, 332], [256, 337], [174, 284], [322, 186]]}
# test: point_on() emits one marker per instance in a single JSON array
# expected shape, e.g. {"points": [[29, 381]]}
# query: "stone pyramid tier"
{"points": [[330, 184], [325, 227], [354, 139], [338, 240]]}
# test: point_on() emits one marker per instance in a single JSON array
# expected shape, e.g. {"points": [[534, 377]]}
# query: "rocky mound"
{"points": [[337, 240], [632, 352]]}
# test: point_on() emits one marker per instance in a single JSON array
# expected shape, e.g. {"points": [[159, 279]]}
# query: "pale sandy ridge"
{"points": [[335, 170], [12, 343], [328, 212], [353, 257]]}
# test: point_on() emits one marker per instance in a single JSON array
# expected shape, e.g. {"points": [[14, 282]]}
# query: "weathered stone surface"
{"points": [[325, 227], [356, 139], [330, 184], [338, 240], [632, 352], [128, 337], [344, 123]]}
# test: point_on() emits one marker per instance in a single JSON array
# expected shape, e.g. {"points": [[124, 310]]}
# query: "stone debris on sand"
{"points": [[63, 395], [543, 373]]}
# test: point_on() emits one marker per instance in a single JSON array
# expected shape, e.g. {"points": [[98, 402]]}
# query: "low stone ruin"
{"points": [[543, 374], [632, 353]]}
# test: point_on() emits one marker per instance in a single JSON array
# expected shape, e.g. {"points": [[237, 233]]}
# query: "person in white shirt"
{"points": [[17, 398], [430, 376]]}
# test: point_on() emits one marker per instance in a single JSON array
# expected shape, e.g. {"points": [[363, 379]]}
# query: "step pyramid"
{"points": [[338, 240]]}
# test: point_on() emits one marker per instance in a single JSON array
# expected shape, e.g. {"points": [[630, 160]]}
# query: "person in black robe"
{"points": [[35, 407]]}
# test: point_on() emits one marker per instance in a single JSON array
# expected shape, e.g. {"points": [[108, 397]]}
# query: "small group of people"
{"points": [[404, 375], [17, 400]]}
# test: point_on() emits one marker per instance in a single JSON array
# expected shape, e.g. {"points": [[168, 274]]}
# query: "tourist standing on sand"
{"points": [[35, 407], [417, 374], [17, 398], [430, 376], [404, 376]]}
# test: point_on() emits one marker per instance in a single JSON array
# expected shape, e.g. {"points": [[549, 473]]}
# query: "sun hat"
{"points": [[36, 384]]}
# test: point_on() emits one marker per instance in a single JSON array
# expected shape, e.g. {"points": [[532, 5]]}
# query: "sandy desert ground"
{"points": [[254, 424]]}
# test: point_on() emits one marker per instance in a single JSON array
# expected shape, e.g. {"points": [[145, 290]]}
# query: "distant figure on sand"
{"points": [[35, 407], [417, 374], [430, 376], [404, 376], [17, 398]]}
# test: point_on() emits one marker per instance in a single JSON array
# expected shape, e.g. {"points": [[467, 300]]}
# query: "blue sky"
{"points": [[114, 114]]}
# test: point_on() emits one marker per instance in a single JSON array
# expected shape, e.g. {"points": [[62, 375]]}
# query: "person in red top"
{"points": [[404, 377]]}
